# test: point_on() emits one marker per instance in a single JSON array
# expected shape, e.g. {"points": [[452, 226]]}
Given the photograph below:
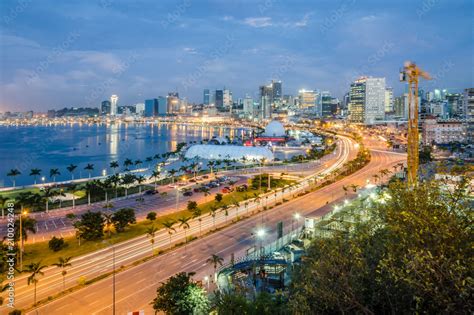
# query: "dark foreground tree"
{"points": [[122, 218], [236, 303], [414, 255], [91, 225], [180, 295]]}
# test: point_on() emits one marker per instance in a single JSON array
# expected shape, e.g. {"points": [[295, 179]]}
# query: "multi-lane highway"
{"points": [[136, 286]]}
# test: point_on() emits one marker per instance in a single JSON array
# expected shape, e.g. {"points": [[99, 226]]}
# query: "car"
{"points": [[197, 189], [225, 190], [229, 188], [192, 180], [150, 192], [188, 193], [182, 184], [221, 179], [205, 176]]}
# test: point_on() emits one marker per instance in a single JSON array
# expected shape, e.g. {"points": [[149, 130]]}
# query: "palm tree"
{"points": [[183, 223], [354, 187], [140, 179], [71, 169], [213, 212], [63, 263], [206, 191], [236, 204], [36, 270], [194, 166], [215, 260], [149, 159], [210, 165], [49, 193], [226, 212], [89, 168], [114, 165], [197, 215], [345, 188], [108, 222], [127, 163], [169, 227], [127, 180], [150, 232], [91, 185], [172, 172], [155, 174], [53, 173], [114, 180], [137, 163], [35, 172], [13, 174]]}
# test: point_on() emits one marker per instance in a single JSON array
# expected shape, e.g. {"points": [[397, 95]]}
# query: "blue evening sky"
{"points": [[77, 53]]}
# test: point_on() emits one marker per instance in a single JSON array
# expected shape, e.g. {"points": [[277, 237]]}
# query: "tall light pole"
{"points": [[113, 278]]}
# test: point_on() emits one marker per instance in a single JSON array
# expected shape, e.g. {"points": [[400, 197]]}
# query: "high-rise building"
{"points": [[455, 104], [206, 97], [367, 104], [388, 100], [307, 98], [151, 108], [219, 99], [113, 105], [276, 93], [327, 105], [227, 99], [248, 107], [140, 109], [468, 104], [173, 102], [265, 110], [105, 107]]}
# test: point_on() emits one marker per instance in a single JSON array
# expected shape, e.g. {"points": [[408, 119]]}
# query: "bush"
{"points": [[56, 244], [151, 216]]}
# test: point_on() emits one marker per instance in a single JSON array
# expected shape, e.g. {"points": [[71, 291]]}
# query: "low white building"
{"points": [[232, 152], [444, 132]]}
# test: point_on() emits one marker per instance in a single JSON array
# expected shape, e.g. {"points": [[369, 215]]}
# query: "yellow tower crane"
{"points": [[411, 74]]}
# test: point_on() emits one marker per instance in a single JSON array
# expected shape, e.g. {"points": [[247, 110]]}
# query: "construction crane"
{"points": [[411, 73]]}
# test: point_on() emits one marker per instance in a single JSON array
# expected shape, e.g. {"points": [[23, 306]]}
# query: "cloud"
{"points": [[11, 40], [304, 21], [190, 50], [101, 60], [258, 22]]}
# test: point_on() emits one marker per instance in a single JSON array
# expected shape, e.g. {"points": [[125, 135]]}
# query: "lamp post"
{"points": [[113, 275], [296, 216]]}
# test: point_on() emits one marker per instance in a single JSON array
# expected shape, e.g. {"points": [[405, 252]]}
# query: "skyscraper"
{"points": [[327, 105], [206, 97], [113, 105], [248, 107], [367, 103], [468, 104], [151, 107], [388, 100], [105, 107], [276, 93], [307, 98], [219, 99], [227, 99], [173, 102]]}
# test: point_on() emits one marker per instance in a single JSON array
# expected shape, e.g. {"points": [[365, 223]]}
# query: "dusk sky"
{"points": [[77, 53]]}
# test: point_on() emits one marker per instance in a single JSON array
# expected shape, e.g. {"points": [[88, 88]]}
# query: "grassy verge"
{"points": [[40, 251]]}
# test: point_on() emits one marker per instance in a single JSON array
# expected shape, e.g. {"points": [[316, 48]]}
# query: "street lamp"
{"points": [[206, 279]]}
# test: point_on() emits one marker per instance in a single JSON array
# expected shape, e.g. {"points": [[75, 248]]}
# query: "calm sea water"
{"points": [[46, 147]]}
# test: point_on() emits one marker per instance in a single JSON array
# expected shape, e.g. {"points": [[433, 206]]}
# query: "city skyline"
{"points": [[153, 48]]}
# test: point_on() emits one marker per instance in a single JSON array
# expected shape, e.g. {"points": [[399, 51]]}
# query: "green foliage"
{"points": [[414, 255], [91, 225], [236, 303], [192, 205], [180, 295], [27, 225], [56, 244], [151, 216], [122, 218], [218, 197]]}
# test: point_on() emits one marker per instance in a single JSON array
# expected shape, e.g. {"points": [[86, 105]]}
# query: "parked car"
{"points": [[188, 193], [192, 180], [197, 189], [150, 192], [205, 176], [225, 190]]}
